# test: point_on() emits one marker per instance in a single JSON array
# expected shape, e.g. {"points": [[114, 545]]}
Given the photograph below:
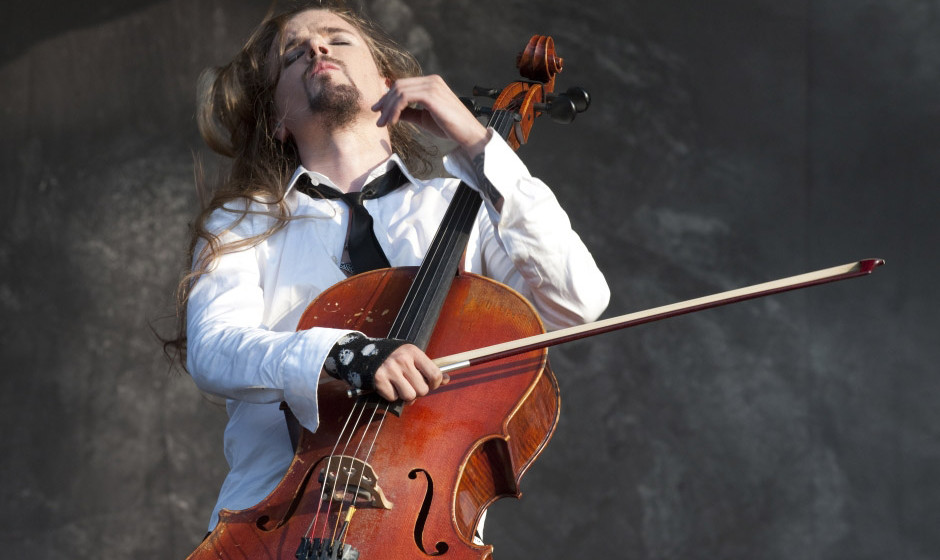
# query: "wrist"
{"points": [[355, 358], [475, 144]]}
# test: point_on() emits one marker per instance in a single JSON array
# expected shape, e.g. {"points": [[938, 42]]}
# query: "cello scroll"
{"points": [[528, 99]]}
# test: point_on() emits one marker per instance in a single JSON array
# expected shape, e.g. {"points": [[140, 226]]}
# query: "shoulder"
{"points": [[246, 217]]}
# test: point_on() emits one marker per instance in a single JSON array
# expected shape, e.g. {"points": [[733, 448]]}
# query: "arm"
{"points": [[232, 354], [526, 240], [527, 243]]}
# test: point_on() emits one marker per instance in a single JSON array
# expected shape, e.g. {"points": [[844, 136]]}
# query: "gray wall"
{"points": [[730, 142]]}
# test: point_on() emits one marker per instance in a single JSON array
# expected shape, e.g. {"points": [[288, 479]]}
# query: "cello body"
{"points": [[438, 465]]}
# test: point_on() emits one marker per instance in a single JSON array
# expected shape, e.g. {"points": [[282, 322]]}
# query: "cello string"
{"points": [[424, 278], [497, 121], [326, 472], [366, 460], [342, 500], [409, 314], [462, 208], [466, 208], [329, 462], [465, 204], [333, 496], [422, 282]]}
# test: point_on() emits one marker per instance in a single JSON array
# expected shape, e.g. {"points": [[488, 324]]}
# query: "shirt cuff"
{"points": [[302, 373]]}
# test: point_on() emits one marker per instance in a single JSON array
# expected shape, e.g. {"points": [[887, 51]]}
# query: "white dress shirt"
{"points": [[242, 315]]}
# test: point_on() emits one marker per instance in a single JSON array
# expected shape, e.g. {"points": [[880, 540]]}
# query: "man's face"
{"points": [[327, 72]]}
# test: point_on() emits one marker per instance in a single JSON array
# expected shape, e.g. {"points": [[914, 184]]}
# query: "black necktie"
{"points": [[364, 250]]}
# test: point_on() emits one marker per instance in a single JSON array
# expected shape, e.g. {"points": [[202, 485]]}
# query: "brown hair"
{"points": [[236, 118]]}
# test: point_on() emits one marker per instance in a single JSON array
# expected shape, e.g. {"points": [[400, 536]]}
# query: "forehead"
{"points": [[315, 21]]}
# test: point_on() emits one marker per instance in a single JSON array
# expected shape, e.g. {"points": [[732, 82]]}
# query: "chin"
{"points": [[339, 104]]}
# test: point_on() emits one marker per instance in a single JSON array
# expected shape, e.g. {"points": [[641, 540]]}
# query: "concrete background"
{"points": [[730, 142]]}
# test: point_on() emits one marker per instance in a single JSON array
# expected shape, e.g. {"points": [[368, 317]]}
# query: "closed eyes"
{"points": [[294, 55]]}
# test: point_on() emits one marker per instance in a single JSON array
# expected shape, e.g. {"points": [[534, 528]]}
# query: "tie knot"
{"points": [[378, 187], [365, 252]]}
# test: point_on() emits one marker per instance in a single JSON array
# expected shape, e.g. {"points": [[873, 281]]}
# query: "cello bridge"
{"points": [[348, 478]]}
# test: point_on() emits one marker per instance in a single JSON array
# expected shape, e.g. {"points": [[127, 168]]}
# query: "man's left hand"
{"points": [[429, 103]]}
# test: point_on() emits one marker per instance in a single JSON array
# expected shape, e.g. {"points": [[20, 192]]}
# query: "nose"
{"points": [[317, 48]]}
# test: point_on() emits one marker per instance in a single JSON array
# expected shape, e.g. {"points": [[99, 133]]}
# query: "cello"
{"points": [[380, 480]]}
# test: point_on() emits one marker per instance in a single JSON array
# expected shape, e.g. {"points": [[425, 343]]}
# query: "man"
{"points": [[319, 101]]}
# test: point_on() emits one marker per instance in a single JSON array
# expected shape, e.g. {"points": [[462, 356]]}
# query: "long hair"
{"points": [[236, 116]]}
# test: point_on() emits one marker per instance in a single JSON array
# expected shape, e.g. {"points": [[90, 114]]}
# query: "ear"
{"points": [[280, 131], [388, 84]]}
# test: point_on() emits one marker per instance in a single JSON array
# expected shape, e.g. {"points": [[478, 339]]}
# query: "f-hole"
{"points": [[441, 546]]}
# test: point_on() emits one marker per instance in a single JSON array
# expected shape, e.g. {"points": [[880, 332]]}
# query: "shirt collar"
{"points": [[321, 179]]}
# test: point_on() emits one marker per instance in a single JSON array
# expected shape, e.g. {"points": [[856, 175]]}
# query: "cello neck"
{"points": [[422, 306], [512, 116]]}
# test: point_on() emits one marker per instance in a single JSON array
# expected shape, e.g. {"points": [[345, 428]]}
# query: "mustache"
{"points": [[325, 58]]}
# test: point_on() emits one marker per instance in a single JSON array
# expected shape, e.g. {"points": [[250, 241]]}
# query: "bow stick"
{"points": [[506, 349]]}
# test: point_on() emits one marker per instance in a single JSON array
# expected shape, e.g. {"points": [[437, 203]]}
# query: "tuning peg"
{"points": [[485, 92], [477, 110], [580, 97], [559, 107], [470, 104]]}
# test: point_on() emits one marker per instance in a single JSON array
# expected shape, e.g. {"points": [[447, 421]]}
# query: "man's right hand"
{"points": [[407, 373]]}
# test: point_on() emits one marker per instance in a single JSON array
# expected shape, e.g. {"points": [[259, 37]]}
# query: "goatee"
{"points": [[337, 103]]}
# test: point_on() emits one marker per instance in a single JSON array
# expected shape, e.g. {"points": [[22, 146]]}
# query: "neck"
{"points": [[345, 155]]}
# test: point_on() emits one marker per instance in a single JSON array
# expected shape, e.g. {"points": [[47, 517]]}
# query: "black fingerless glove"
{"points": [[355, 358]]}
